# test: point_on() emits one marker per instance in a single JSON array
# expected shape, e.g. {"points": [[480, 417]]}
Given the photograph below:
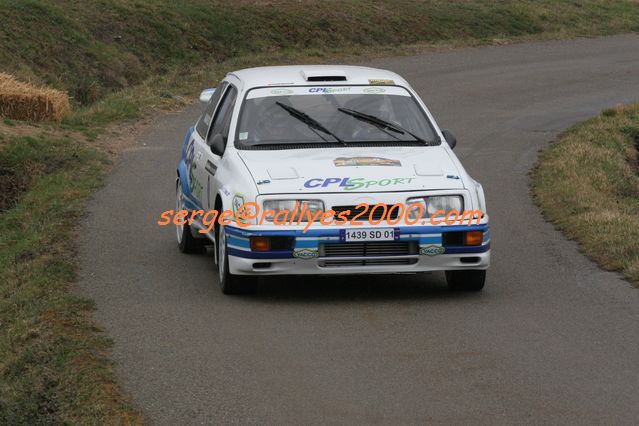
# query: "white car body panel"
{"points": [[320, 164]]}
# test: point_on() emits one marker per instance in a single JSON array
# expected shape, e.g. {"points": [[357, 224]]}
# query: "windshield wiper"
{"points": [[309, 121], [381, 124]]}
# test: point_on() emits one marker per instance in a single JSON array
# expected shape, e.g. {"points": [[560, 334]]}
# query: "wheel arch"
{"points": [[219, 206], [182, 175]]}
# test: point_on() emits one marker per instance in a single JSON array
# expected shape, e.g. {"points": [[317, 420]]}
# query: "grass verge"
{"points": [[94, 47], [587, 184], [53, 367], [125, 60]]}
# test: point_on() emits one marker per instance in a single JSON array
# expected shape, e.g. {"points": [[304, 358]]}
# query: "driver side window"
{"points": [[205, 120], [222, 121]]}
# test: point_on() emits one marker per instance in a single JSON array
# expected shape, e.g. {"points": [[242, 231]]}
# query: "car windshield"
{"points": [[332, 114]]}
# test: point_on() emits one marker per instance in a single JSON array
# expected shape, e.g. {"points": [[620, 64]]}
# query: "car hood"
{"points": [[376, 169]]}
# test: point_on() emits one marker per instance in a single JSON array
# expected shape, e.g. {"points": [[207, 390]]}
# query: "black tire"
{"points": [[187, 243], [230, 283], [468, 280]]}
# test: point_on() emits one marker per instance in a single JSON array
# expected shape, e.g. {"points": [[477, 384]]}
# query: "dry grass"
{"points": [[23, 101], [587, 184]]}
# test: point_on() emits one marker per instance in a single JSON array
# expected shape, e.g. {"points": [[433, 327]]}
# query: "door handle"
{"points": [[210, 167]]}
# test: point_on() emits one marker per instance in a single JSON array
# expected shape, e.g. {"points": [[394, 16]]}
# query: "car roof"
{"points": [[304, 75]]}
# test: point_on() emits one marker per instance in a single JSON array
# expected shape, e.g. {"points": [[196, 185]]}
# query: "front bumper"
{"points": [[308, 256]]}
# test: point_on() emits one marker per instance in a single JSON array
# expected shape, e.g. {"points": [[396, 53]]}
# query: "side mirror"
{"points": [[218, 144], [206, 95], [450, 138]]}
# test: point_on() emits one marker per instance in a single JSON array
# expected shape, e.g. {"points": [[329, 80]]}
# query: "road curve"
{"points": [[551, 339]]}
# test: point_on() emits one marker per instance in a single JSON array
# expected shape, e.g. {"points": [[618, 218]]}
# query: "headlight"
{"points": [[435, 204], [273, 207]]}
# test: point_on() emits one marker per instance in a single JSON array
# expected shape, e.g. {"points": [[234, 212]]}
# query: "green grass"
{"points": [[122, 60], [94, 47], [53, 367], [587, 183]]}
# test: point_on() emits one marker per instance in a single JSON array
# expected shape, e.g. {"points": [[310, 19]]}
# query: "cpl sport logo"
{"points": [[351, 184], [327, 90]]}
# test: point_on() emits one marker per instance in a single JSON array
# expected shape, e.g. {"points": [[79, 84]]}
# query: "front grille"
{"points": [[369, 248], [368, 262], [373, 252], [377, 214]]}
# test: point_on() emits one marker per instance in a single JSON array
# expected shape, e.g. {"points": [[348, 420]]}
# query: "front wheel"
{"points": [[230, 283], [466, 280]]}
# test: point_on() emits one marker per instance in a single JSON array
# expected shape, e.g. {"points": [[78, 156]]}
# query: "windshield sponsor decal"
{"points": [[281, 91], [352, 184], [380, 81], [365, 161], [329, 90], [265, 92]]}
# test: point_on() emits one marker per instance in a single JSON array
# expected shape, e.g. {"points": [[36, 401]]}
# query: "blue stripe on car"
{"points": [[190, 203], [466, 249], [307, 243], [417, 230], [432, 235], [239, 242], [187, 138], [434, 239]]}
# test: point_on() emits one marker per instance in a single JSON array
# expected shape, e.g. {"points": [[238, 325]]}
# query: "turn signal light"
{"points": [[260, 243], [474, 238]]}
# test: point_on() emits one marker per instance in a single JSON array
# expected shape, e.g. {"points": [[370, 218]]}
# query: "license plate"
{"points": [[378, 234]]}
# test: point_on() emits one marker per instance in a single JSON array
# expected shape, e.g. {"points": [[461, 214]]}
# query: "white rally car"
{"points": [[331, 139]]}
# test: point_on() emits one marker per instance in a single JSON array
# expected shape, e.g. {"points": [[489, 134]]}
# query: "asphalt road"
{"points": [[551, 339]]}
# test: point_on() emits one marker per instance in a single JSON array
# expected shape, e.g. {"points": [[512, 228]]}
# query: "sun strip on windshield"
{"points": [[327, 90]]}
